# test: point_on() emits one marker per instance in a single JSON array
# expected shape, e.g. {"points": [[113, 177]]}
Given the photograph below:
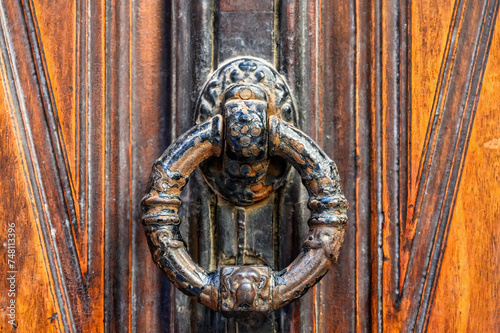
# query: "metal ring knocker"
{"points": [[247, 115]]}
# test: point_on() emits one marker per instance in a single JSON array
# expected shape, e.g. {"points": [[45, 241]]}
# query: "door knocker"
{"points": [[244, 141]]}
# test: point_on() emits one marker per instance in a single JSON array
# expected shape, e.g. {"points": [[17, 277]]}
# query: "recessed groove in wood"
{"points": [[394, 90], [32, 171]]}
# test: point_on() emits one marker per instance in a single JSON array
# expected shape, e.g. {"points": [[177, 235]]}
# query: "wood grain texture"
{"points": [[317, 56], [34, 114], [402, 94], [75, 118], [412, 229], [466, 295], [17, 207]]}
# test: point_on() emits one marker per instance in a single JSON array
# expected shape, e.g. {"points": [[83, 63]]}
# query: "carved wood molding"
{"points": [[413, 214]]}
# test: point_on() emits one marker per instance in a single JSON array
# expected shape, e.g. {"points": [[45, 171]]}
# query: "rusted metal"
{"points": [[246, 91], [161, 207], [244, 142], [245, 288], [328, 210]]}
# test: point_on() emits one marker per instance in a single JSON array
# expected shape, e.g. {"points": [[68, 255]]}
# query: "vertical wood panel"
{"points": [[92, 106], [117, 134], [150, 136], [47, 165], [17, 209], [318, 56], [365, 88], [466, 295], [94, 91], [337, 136], [192, 57], [298, 66], [405, 297]]}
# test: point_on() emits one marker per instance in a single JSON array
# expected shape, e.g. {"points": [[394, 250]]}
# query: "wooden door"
{"points": [[403, 95]]}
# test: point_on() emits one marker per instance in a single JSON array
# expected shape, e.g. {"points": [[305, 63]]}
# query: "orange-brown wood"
{"points": [[34, 292], [467, 292], [433, 72], [403, 95], [73, 149]]}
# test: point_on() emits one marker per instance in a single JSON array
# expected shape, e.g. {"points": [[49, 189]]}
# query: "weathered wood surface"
{"points": [[403, 95]]}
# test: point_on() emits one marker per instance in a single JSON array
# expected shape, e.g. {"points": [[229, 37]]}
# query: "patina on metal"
{"points": [[245, 141], [246, 92]]}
